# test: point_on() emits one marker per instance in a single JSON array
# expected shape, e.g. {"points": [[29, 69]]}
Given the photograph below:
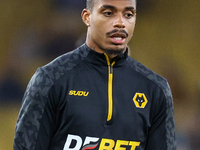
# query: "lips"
{"points": [[118, 38]]}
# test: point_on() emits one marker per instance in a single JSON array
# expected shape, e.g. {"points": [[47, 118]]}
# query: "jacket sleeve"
{"points": [[162, 130], [35, 121]]}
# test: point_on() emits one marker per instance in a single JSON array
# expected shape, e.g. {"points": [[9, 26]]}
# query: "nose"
{"points": [[119, 22]]}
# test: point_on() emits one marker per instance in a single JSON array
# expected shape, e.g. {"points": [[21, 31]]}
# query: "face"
{"points": [[110, 25]]}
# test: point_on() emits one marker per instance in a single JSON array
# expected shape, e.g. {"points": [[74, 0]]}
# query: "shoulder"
{"points": [[58, 67], [150, 75]]}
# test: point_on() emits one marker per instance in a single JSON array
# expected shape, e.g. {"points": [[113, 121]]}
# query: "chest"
{"points": [[99, 100]]}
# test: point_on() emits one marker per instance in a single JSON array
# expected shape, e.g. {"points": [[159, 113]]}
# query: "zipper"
{"points": [[110, 87]]}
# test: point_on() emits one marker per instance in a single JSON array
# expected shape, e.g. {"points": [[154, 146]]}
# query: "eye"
{"points": [[107, 13], [128, 15]]}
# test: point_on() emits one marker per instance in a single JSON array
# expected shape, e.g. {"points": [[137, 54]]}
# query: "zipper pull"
{"points": [[111, 68]]}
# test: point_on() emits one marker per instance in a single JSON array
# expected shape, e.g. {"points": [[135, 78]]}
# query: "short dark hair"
{"points": [[90, 4]]}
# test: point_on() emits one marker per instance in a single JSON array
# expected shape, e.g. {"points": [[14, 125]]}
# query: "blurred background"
{"points": [[166, 39]]}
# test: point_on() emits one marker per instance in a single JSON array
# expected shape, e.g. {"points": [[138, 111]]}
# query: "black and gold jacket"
{"points": [[82, 101]]}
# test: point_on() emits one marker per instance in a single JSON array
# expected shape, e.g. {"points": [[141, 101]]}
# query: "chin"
{"points": [[114, 51]]}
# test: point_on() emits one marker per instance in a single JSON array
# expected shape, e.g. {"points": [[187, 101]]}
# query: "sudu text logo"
{"points": [[75, 142], [78, 93]]}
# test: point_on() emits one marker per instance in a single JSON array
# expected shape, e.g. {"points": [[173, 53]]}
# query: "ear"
{"points": [[86, 16]]}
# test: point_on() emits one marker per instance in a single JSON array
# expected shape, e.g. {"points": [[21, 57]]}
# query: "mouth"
{"points": [[118, 38]]}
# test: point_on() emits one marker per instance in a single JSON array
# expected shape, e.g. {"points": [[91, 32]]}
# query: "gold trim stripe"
{"points": [[110, 83]]}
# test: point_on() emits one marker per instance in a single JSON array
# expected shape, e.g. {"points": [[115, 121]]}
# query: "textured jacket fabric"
{"points": [[81, 100]]}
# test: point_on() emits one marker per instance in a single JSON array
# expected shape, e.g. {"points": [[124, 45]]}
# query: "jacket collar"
{"points": [[99, 58]]}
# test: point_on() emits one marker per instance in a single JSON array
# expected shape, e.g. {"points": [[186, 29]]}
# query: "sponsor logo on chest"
{"points": [[75, 142]]}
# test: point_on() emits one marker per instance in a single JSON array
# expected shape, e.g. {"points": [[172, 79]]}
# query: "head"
{"points": [[110, 24]]}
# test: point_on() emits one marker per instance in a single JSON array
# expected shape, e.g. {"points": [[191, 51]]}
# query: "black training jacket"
{"points": [[82, 101]]}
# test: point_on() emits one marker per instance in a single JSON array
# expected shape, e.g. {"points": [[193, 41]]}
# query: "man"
{"points": [[97, 97]]}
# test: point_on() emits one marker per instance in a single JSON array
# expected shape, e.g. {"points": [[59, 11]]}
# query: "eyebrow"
{"points": [[107, 7], [130, 8], [112, 7]]}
